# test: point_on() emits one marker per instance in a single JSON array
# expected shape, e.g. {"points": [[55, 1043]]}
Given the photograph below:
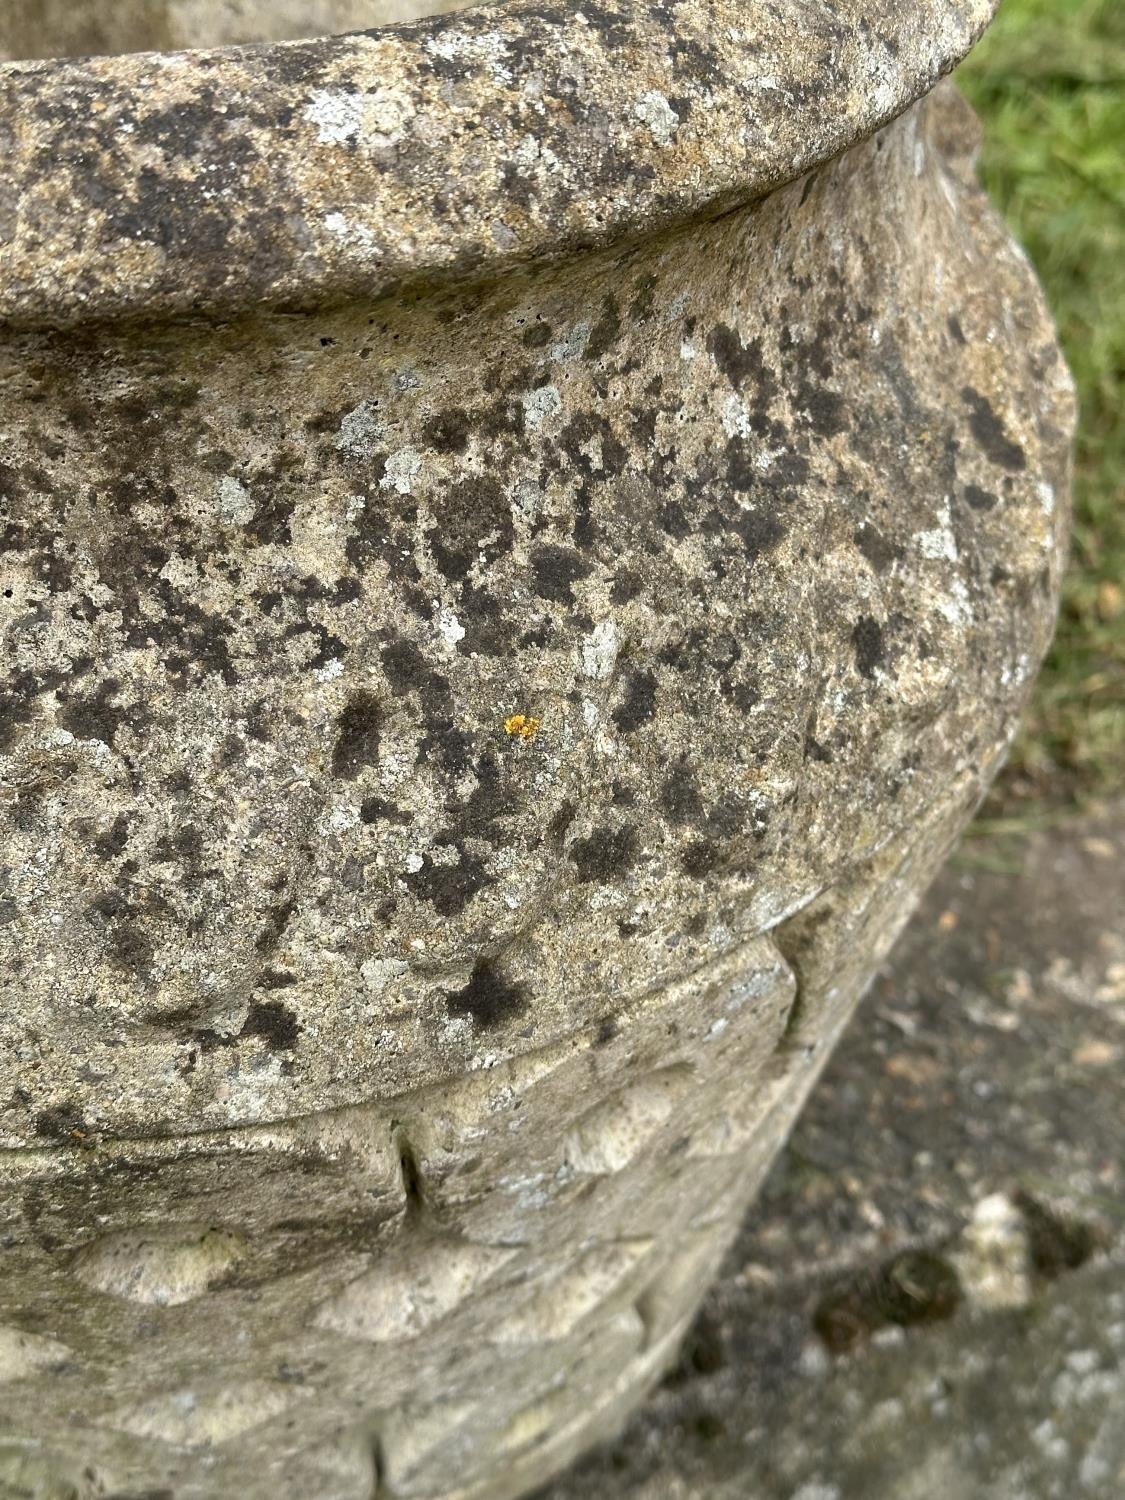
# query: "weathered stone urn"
{"points": [[524, 536]]}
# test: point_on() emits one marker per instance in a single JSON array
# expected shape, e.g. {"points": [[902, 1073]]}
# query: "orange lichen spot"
{"points": [[523, 725]]}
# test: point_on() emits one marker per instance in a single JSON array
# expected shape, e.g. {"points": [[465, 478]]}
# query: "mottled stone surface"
{"points": [[980, 1085], [466, 747], [755, 527]]}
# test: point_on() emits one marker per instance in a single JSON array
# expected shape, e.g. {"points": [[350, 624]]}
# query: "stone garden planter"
{"points": [[524, 538]]}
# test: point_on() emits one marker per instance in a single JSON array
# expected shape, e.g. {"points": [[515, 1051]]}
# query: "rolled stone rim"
{"points": [[298, 174]]}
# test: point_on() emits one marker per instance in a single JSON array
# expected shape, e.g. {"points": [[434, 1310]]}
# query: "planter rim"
{"points": [[294, 174]]}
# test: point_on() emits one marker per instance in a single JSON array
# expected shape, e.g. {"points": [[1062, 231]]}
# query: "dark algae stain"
{"points": [[449, 431], [277, 919], [679, 796], [554, 572], [129, 948], [561, 821], [605, 854], [606, 331], [736, 360], [472, 511], [270, 1020], [357, 736], [989, 432], [823, 409], [488, 999], [274, 1022], [93, 718], [760, 531], [700, 858], [867, 638], [64, 1123], [450, 888], [878, 551], [536, 336], [638, 702], [979, 499]]}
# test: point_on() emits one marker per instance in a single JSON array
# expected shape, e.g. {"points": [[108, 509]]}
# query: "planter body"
{"points": [[465, 751]]}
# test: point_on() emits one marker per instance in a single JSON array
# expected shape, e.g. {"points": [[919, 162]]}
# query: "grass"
{"points": [[1049, 83]]}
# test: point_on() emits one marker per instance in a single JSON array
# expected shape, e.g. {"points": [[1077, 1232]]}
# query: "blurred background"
{"points": [[1048, 81]]}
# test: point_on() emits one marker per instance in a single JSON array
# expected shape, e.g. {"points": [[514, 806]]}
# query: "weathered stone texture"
{"points": [[466, 749]]}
